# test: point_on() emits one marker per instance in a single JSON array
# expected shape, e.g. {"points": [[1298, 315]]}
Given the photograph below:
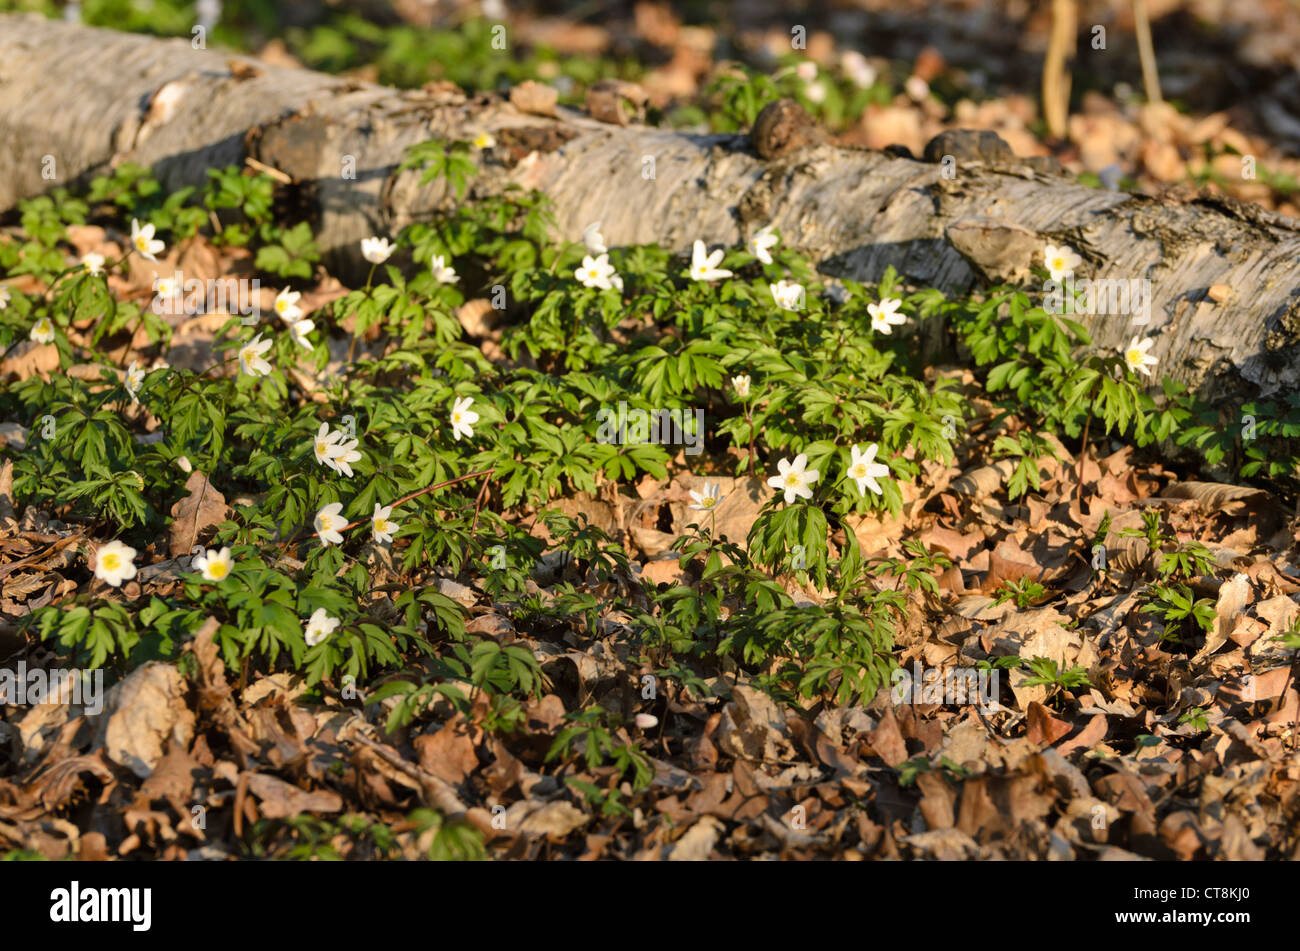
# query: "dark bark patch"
{"points": [[534, 138], [783, 127]]}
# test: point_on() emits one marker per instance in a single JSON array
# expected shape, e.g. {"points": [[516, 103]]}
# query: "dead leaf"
{"points": [[1043, 728], [450, 753], [697, 843], [141, 714], [753, 727], [281, 800], [555, 820], [535, 98], [887, 741], [1234, 595], [202, 508]]}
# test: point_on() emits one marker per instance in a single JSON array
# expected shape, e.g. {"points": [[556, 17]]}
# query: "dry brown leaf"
{"points": [[1043, 728], [450, 753], [141, 714], [697, 843], [1234, 595], [281, 800], [1218, 497], [535, 98], [555, 820], [753, 727], [203, 507]]}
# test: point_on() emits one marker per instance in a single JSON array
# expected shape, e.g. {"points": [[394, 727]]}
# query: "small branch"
{"points": [[417, 493], [1146, 51], [478, 502], [1083, 455], [1056, 75], [275, 173]]}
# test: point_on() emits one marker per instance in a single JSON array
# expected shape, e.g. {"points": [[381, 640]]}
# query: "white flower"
{"points": [[1060, 261], [250, 357], [793, 478], [43, 331], [596, 272], [884, 314], [134, 380], [115, 563], [164, 287], [214, 564], [344, 455], [463, 418], [443, 272], [145, 242], [329, 522], [816, 93], [382, 523], [1136, 356], [741, 384], [484, 140], [94, 263], [299, 331], [325, 445], [4, 297], [376, 250], [864, 470], [762, 240], [787, 294], [917, 88], [183, 463], [319, 627], [646, 721], [807, 71], [593, 239], [857, 68], [706, 499], [286, 305], [704, 266]]}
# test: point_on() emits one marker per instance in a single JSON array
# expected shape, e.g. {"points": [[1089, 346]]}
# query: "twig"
{"points": [[275, 173], [1146, 51], [1056, 76], [1083, 455], [406, 498], [478, 502]]}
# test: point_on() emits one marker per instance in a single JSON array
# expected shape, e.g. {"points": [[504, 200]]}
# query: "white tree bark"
{"points": [[93, 98]]}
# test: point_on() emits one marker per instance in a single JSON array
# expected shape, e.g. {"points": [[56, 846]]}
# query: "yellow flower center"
{"points": [[1058, 263], [1134, 356], [455, 417], [142, 243], [859, 470], [112, 561], [381, 526], [325, 523], [217, 569], [281, 305], [792, 479], [707, 501]]}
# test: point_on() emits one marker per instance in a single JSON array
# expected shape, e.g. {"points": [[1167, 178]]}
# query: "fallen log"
{"points": [[976, 214]]}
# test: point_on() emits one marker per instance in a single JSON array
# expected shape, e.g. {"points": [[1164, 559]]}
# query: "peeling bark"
{"points": [[182, 111]]}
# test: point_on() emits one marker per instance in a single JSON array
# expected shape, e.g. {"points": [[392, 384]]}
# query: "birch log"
{"points": [[92, 98]]}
